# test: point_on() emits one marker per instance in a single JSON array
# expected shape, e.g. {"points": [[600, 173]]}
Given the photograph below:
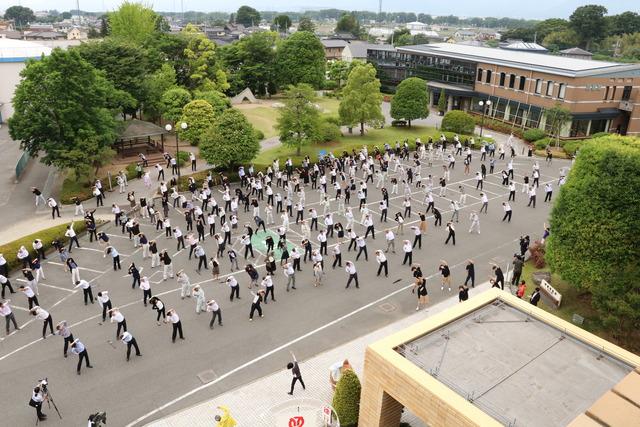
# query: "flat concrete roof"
{"points": [[515, 367]]}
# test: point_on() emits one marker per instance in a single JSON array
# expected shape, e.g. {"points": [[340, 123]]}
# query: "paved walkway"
{"points": [[256, 403]]}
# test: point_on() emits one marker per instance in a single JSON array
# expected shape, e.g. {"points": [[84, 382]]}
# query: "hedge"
{"points": [[47, 236], [346, 400], [82, 190], [531, 135], [459, 122], [499, 126]]}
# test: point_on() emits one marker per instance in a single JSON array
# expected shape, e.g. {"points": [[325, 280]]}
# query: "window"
{"points": [[488, 77], [626, 93], [502, 76], [538, 86], [606, 93], [512, 81], [613, 93], [523, 81], [561, 90], [479, 74], [550, 88]]}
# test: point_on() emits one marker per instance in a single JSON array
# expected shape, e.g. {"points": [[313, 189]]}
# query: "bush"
{"points": [[541, 144], [333, 119], [47, 236], [259, 134], [346, 400], [600, 134], [570, 147], [329, 131], [330, 85], [531, 135], [537, 252], [398, 123], [183, 158], [458, 122], [72, 187]]}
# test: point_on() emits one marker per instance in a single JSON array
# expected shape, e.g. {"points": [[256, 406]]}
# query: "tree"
{"points": [[459, 122], [199, 116], [559, 40], [361, 98], [230, 141], [589, 23], [625, 23], [548, 26], [132, 22], [299, 119], [250, 62], [282, 23], [61, 112], [20, 15], [557, 117], [348, 24], [155, 86], [411, 100], [595, 229], [306, 24], [346, 399], [66, 15], [339, 70], [173, 101], [217, 100], [442, 102], [203, 68], [247, 16], [300, 59]]}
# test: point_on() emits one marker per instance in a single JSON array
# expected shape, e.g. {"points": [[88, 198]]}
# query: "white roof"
{"points": [[19, 50], [531, 61]]}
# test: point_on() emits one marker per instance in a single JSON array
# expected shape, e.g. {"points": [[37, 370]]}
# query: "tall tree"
{"points": [[133, 22], [411, 100], [155, 86], [247, 16], [300, 59], [442, 102], [20, 15], [299, 119], [217, 100], [589, 23], [348, 24], [595, 229], [61, 112], [199, 116], [346, 399], [557, 117], [203, 67], [173, 101], [361, 98], [250, 62], [306, 24], [625, 23], [282, 23], [548, 26], [230, 141]]}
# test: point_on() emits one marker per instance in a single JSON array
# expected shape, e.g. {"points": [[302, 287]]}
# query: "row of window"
{"points": [[512, 81]]}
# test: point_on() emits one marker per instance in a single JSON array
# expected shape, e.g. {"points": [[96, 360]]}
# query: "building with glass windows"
{"points": [[602, 96]]}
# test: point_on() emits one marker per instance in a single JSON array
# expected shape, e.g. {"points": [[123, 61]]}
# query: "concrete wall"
{"points": [[10, 72]]}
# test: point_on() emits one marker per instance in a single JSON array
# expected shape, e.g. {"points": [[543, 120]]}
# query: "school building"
{"points": [[496, 360], [602, 96]]}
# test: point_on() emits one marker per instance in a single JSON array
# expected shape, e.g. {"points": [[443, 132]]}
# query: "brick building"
{"points": [[602, 96]]}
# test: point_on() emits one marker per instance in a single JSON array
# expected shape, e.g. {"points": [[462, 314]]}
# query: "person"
{"points": [[463, 293], [42, 314], [408, 252], [255, 304], [295, 371], [63, 329], [167, 266], [336, 370], [78, 348], [471, 273], [37, 397], [135, 273], [145, 286], [452, 233], [420, 285], [507, 211], [382, 263], [176, 323], [110, 250], [130, 341], [38, 195], [4, 281], [198, 295], [105, 303], [71, 234], [158, 305], [535, 297], [214, 308], [86, 290], [548, 192], [485, 203], [117, 317], [225, 420], [9, 317], [32, 298], [55, 209], [353, 274], [446, 275], [522, 288], [499, 276], [518, 264]]}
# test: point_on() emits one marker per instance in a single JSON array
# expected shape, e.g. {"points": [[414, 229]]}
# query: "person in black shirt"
{"points": [[499, 276], [437, 216], [471, 273], [535, 297], [463, 293], [297, 376]]}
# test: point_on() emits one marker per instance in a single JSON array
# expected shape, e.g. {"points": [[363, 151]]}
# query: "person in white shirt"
{"points": [[105, 303], [32, 298], [71, 234], [78, 348], [198, 295], [353, 274], [408, 252], [485, 203], [216, 312], [456, 211], [4, 281], [145, 286], [507, 211], [475, 223], [63, 329], [110, 250], [55, 209], [382, 263], [130, 341], [39, 248], [117, 317], [9, 317], [42, 314], [391, 239], [234, 286]]}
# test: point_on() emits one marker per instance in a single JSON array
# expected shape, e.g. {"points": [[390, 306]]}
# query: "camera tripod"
{"points": [[50, 402]]}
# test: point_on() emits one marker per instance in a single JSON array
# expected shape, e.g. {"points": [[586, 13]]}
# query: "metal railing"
{"points": [[22, 164]]}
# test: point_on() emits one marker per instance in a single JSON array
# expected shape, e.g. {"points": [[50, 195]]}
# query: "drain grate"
{"points": [[387, 307], [207, 376]]}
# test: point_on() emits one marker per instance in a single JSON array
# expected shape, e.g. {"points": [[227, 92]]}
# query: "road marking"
{"points": [[48, 286], [81, 268]]}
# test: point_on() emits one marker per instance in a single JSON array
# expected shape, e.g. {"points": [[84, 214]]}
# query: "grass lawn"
{"points": [[329, 105], [575, 302], [263, 119]]}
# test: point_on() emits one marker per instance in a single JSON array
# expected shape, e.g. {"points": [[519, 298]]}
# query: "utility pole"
{"points": [[379, 8]]}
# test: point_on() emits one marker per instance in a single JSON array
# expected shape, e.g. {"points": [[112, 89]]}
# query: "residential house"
{"points": [[333, 48], [77, 34], [576, 52]]}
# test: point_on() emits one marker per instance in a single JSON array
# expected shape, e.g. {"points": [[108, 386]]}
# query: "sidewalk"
{"points": [[253, 404]]}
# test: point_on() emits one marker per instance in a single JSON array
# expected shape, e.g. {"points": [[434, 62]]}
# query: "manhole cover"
{"points": [[207, 376], [387, 307]]}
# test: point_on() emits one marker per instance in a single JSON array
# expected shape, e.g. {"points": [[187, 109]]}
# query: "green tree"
{"points": [[300, 59], [173, 101], [251, 62], [557, 117], [282, 23], [411, 100], [348, 24], [548, 26], [217, 100], [66, 15], [459, 122], [20, 15], [199, 116], [230, 141], [589, 23], [558, 40], [595, 229], [346, 399], [306, 24], [247, 16], [361, 98], [132, 22], [61, 112], [339, 70], [155, 86], [625, 23], [203, 68], [299, 119], [442, 102]]}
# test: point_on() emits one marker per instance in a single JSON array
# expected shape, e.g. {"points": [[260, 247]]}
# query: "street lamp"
{"points": [[482, 105], [168, 127]]}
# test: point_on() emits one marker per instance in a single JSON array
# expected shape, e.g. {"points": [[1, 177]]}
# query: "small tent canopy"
{"points": [[245, 95]]}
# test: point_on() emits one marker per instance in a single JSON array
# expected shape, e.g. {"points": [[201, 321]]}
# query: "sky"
{"points": [[539, 9]]}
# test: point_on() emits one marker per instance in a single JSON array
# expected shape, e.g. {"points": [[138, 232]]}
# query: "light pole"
{"points": [[168, 127], [484, 105]]}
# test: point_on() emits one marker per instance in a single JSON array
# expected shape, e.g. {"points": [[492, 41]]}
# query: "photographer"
{"points": [[38, 395]]}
